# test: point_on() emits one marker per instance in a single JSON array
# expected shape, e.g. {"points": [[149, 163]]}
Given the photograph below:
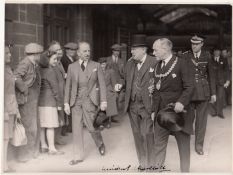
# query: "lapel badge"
{"points": [[173, 75]]}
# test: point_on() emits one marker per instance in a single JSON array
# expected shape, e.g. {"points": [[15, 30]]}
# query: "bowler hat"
{"points": [[116, 47], [33, 48], [139, 40], [169, 119], [100, 119], [71, 45], [197, 38]]}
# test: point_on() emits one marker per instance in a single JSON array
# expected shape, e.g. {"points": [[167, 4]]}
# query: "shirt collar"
{"points": [[143, 59], [80, 62], [197, 54], [71, 59], [166, 60]]}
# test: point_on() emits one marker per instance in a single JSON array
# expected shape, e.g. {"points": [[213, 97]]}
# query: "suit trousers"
{"points": [[83, 111], [30, 121], [142, 128], [161, 140], [220, 100], [199, 111]]}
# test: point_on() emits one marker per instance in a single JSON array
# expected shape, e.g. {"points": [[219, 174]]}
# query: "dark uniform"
{"points": [[202, 73], [221, 70]]}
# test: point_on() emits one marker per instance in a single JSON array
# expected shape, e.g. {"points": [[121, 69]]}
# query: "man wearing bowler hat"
{"points": [[138, 101], [171, 85], [115, 63], [68, 58], [202, 74], [27, 89]]}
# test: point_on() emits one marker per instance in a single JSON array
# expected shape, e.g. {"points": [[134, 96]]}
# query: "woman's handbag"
{"points": [[19, 136]]}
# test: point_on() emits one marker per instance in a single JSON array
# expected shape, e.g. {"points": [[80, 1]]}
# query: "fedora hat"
{"points": [[100, 119], [169, 119], [116, 47], [139, 40]]}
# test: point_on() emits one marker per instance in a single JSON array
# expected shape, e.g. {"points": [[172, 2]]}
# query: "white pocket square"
{"points": [[173, 75], [94, 70]]}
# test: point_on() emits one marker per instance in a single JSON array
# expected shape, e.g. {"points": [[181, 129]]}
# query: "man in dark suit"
{"points": [[85, 91], [200, 64], [115, 63], [137, 99], [171, 85], [222, 79], [69, 57]]}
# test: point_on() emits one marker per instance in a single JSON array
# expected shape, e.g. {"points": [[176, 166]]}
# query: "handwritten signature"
{"points": [[139, 168]]}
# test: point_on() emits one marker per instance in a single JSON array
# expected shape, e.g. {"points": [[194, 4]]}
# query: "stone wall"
{"points": [[24, 24]]}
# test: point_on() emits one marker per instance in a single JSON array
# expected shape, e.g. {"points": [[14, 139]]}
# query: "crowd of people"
{"points": [[56, 91]]}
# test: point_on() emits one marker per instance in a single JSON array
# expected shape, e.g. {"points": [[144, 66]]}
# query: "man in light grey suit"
{"points": [[85, 90]]}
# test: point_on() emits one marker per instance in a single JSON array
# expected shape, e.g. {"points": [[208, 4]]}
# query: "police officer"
{"points": [[27, 90], [201, 71]]}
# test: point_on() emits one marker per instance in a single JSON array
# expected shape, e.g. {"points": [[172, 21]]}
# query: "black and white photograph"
{"points": [[118, 87]]}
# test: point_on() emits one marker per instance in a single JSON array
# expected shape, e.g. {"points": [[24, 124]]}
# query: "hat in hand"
{"points": [[100, 119], [169, 119]]}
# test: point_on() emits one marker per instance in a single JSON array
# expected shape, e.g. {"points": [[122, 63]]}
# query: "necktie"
{"points": [[82, 66]]}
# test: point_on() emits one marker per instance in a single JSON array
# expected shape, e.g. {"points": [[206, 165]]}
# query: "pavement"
{"points": [[121, 156]]}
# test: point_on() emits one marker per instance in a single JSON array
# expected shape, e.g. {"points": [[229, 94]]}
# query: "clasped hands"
{"points": [[118, 87]]}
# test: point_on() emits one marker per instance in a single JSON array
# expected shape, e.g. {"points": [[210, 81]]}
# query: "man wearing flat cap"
{"points": [[69, 57], [117, 64], [202, 74], [171, 86], [138, 101], [27, 88]]}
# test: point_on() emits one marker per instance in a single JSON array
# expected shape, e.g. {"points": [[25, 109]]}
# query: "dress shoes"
{"points": [[74, 162], [221, 116], [200, 152], [102, 149]]}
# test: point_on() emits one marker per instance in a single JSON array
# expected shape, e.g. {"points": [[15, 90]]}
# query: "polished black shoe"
{"points": [[200, 152], [221, 116], [102, 149]]}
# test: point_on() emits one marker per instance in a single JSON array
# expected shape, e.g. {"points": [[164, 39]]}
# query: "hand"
{"points": [[59, 108], [117, 87], [103, 106], [151, 89], [213, 99], [67, 109], [179, 107], [226, 84], [153, 116]]}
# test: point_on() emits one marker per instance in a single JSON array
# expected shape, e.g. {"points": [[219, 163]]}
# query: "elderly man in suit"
{"points": [[55, 47], [115, 63], [85, 91], [27, 84], [138, 101], [200, 65], [68, 58], [172, 85]]}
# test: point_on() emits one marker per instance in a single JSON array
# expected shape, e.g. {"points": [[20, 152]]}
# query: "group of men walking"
{"points": [[149, 84]]}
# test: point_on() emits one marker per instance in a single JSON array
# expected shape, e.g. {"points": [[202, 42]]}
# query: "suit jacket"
{"points": [[175, 87], [96, 84], [49, 92], [202, 74], [150, 62], [60, 76], [118, 67], [66, 62], [221, 69]]}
